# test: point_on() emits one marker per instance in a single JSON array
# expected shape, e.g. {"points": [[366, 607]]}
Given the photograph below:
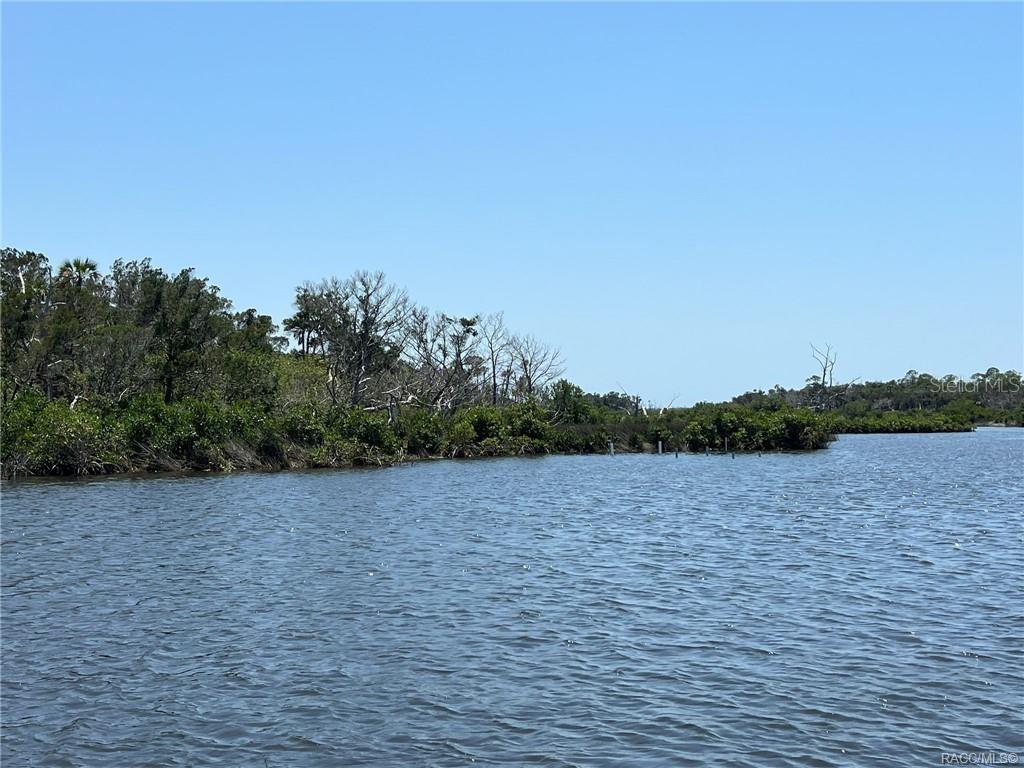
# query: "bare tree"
{"points": [[379, 350], [827, 360], [662, 409], [496, 351], [376, 320], [823, 384], [536, 363], [442, 365], [357, 326]]}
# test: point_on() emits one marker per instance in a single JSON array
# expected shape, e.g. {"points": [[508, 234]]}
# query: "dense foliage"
{"points": [[138, 369], [918, 402], [49, 437]]}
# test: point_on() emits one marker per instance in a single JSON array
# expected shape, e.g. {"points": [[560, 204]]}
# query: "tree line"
{"points": [[76, 334], [141, 369], [380, 349], [915, 402]]}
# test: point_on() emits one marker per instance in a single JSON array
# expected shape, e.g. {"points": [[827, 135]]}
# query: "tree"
{"points": [[373, 340], [252, 332], [357, 326], [536, 363], [121, 363], [78, 272], [25, 305], [190, 318], [821, 386], [441, 359], [570, 404], [497, 353], [319, 309]]}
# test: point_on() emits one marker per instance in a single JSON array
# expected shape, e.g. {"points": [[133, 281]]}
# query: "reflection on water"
{"points": [[804, 609]]}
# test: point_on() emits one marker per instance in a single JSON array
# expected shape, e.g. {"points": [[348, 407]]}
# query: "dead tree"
{"points": [[497, 353], [822, 385], [442, 360], [537, 364]]}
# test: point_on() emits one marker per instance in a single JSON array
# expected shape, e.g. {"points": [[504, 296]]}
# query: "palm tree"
{"points": [[78, 270]]}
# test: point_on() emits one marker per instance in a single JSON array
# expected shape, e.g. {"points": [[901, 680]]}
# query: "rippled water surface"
{"points": [[832, 608]]}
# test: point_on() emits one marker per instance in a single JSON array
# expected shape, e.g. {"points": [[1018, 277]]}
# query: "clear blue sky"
{"points": [[680, 197]]}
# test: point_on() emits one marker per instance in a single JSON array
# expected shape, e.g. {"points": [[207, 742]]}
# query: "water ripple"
{"points": [[829, 609]]}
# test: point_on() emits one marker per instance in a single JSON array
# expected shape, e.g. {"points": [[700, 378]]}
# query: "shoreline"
{"points": [[391, 463], [407, 460]]}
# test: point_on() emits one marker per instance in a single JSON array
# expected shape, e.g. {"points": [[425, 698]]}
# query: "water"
{"points": [[832, 608]]}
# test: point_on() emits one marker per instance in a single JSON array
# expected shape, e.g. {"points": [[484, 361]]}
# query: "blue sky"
{"points": [[681, 197]]}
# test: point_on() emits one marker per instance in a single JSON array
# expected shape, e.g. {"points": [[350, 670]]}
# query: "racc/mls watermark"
{"points": [[980, 758]]}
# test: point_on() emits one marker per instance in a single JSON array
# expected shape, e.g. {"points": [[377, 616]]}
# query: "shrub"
{"points": [[485, 420], [304, 424], [335, 451], [250, 376], [370, 428], [698, 435], [422, 430], [155, 429], [579, 438], [461, 436], [60, 440], [526, 420]]}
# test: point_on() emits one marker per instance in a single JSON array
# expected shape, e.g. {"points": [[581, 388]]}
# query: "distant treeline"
{"points": [[917, 402], [138, 369]]}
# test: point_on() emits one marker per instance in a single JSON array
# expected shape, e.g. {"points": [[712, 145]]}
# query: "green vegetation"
{"points": [[49, 437], [918, 402], [141, 370]]}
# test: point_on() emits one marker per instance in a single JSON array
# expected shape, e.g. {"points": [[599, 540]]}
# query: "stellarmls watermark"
{"points": [[1009, 382], [980, 758]]}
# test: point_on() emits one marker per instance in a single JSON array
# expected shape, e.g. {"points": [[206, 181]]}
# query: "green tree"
{"points": [[25, 306], [190, 318], [569, 404]]}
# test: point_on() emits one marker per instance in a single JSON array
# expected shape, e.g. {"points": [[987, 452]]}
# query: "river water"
{"points": [[860, 603]]}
